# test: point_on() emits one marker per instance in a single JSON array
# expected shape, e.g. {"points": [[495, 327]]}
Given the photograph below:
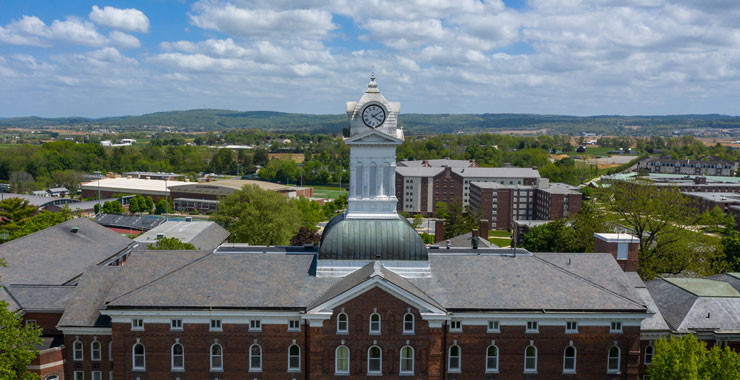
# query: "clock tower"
{"points": [[372, 136]]}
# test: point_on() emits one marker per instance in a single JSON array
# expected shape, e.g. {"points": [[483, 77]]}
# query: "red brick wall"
{"points": [[86, 364], [633, 251], [47, 321]]}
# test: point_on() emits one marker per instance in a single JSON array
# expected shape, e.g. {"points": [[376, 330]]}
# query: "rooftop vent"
{"points": [[75, 229], [160, 236], [188, 218]]}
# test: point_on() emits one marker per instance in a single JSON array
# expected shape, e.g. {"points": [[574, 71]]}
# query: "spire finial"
{"points": [[372, 73]]}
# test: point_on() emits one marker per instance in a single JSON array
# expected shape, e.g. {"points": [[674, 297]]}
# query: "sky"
{"points": [[597, 57]]}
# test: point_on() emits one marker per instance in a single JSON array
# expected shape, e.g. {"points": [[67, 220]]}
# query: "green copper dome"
{"points": [[371, 239]]}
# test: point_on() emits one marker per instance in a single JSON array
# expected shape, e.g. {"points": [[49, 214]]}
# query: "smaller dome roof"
{"points": [[371, 239]]}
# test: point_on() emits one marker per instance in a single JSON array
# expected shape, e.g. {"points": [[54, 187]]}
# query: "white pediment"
{"points": [[373, 137]]}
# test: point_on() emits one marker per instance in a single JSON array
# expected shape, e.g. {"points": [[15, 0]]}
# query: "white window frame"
{"points": [[493, 326], [93, 350], [337, 371], [52, 377], [291, 356], [255, 325], [172, 357], [455, 326], [652, 353], [110, 375], [401, 359], [530, 370], [110, 351], [220, 357], [569, 327], [531, 330], [297, 326], [456, 369], [137, 324], [493, 369], [610, 370], [134, 355], [252, 356], [98, 373], [78, 350], [344, 330], [413, 324], [575, 356], [176, 325], [379, 359], [79, 375], [215, 325], [615, 327], [379, 329]]}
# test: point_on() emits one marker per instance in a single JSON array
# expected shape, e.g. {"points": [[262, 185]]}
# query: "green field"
{"points": [[328, 192], [501, 242], [502, 234]]}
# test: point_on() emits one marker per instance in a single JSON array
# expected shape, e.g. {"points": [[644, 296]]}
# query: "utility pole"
{"points": [[100, 208], [166, 200]]}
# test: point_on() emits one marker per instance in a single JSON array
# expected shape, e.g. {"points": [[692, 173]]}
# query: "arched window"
{"points": [[614, 359], [342, 323], [77, 350], [454, 359], [569, 360], [255, 358], [178, 357], [530, 359], [375, 323], [217, 357], [139, 356], [374, 360], [492, 359], [649, 352], [294, 358], [408, 323], [341, 360], [95, 350], [407, 360]]}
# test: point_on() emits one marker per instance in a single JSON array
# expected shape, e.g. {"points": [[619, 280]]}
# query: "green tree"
{"points": [[17, 344], [161, 206], [40, 221], [730, 245], [259, 217], [584, 224], [459, 221], [68, 178], [555, 236], [13, 211], [305, 236], [260, 157], [687, 358], [311, 212], [417, 221], [112, 207], [657, 216], [149, 204], [170, 244]]}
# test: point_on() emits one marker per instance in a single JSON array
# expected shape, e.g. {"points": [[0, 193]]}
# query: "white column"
{"points": [[365, 181], [358, 180]]}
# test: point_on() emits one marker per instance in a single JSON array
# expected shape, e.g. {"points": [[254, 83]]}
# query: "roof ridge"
{"points": [[138, 288], [589, 282], [8, 292]]}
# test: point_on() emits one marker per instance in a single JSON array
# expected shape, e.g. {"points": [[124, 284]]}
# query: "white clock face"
{"points": [[373, 116]]}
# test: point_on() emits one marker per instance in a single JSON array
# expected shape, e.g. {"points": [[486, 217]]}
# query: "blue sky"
{"points": [[78, 58]]}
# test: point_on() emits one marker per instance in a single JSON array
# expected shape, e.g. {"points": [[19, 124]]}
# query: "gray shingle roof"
{"points": [[139, 223], [656, 321], [41, 297], [465, 241], [56, 255], [99, 284]]}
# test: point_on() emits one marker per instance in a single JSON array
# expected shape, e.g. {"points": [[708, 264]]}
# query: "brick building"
{"points": [[204, 197], [504, 204], [419, 188]]}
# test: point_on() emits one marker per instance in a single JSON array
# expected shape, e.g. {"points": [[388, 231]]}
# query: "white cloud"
{"points": [[123, 40], [29, 30], [130, 19], [77, 32], [253, 23]]}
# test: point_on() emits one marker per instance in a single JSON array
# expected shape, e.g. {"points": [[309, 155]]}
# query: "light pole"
{"points": [[166, 200]]}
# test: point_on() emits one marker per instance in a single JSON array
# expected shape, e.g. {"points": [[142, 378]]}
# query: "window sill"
{"points": [[135, 369], [137, 329], [456, 331], [491, 371], [612, 372], [295, 330], [255, 330], [216, 370], [569, 372], [406, 374], [453, 371], [176, 329], [493, 331], [571, 331], [531, 331], [341, 374], [530, 372], [375, 333], [408, 333], [294, 370], [615, 332], [177, 370], [215, 330], [374, 374], [342, 333], [255, 370]]}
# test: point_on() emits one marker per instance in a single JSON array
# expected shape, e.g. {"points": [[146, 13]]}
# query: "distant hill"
{"points": [[216, 119]]}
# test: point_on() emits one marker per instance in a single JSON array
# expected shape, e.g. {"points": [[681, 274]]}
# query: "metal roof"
{"points": [[371, 239], [704, 287]]}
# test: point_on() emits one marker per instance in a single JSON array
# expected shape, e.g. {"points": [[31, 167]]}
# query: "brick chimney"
{"points": [[624, 247], [483, 227], [439, 230]]}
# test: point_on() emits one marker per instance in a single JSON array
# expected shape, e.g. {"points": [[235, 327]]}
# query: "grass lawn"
{"points": [[495, 233], [329, 192], [501, 242]]}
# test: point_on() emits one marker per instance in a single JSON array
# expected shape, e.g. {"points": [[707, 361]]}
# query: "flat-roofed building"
{"points": [[114, 187], [202, 234]]}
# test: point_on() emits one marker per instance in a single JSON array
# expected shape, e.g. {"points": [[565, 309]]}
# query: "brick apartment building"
{"points": [[504, 204], [419, 188], [710, 166]]}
